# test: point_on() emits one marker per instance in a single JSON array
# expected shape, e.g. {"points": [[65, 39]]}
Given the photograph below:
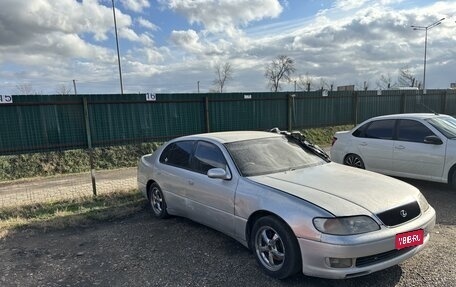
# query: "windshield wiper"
{"points": [[300, 139]]}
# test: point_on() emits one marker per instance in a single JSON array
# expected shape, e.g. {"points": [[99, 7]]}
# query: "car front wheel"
{"points": [[354, 160], [157, 201], [276, 248], [453, 179]]}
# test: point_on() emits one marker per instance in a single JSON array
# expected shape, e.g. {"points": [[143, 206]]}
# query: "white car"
{"points": [[421, 146]]}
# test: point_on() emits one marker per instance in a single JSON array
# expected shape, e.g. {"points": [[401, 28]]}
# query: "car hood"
{"points": [[342, 190]]}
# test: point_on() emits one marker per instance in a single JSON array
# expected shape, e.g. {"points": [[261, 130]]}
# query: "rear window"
{"points": [[382, 129], [177, 154]]}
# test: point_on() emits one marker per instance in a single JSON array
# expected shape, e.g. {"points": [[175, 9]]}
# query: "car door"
{"points": [[375, 145], [211, 200], [173, 173], [412, 157]]}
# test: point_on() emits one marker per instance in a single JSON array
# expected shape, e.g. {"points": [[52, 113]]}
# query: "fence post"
{"points": [[290, 111], [444, 102], [355, 107], [89, 144], [403, 103], [206, 114]]}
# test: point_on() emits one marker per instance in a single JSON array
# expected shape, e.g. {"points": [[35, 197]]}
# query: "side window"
{"points": [[382, 129], [359, 132], [177, 154], [412, 131], [207, 156]]}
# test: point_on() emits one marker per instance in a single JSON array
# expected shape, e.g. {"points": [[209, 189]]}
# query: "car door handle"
{"points": [[190, 182], [399, 147], [363, 144]]}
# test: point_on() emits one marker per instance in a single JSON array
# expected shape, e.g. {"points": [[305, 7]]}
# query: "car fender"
{"points": [[252, 198]]}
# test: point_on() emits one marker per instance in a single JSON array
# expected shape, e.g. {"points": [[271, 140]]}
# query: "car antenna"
{"points": [[428, 108]]}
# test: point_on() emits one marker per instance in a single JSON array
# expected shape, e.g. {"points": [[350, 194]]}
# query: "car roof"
{"points": [[409, 116], [231, 136]]}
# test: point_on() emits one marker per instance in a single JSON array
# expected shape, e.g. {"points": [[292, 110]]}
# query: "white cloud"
{"points": [[346, 5], [188, 40], [147, 24], [21, 21], [350, 42], [135, 5], [224, 15]]}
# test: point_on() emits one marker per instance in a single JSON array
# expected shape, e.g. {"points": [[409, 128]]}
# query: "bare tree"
{"points": [[364, 86], [25, 89], [63, 90], [324, 85], [223, 73], [281, 68], [305, 82], [407, 78], [385, 82]]}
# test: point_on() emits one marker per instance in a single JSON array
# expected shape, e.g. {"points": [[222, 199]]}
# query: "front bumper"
{"points": [[374, 252]]}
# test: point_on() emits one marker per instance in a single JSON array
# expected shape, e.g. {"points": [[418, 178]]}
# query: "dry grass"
{"points": [[323, 136], [71, 212]]}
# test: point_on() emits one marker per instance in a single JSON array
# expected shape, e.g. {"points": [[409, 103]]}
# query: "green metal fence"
{"points": [[94, 141], [54, 122]]}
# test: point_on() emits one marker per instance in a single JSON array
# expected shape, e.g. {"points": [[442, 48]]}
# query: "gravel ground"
{"points": [[143, 251]]}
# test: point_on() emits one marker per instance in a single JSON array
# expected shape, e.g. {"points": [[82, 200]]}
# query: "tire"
{"points": [[275, 247], [157, 201], [354, 160]]}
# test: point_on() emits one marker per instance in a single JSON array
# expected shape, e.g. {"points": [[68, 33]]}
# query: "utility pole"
{"points": [[198, 84], [426, 28], [117, 44]]}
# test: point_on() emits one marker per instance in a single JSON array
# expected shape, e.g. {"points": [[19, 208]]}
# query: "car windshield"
{"points": [[270, 155], [445, 124]]}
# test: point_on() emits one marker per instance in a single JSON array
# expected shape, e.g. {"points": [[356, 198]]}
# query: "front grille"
{"points": [[377, 258], [400, 214]]}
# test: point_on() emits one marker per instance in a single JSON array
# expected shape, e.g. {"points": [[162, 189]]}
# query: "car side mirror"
{"points": [[218, 173], [433, 140]]}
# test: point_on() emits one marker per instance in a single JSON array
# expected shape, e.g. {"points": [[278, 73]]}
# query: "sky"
{"points": [[169, 46]]}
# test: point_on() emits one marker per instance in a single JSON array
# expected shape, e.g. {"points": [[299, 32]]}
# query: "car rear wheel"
{"points": [[276, 248], [354, 160], [157, 201]]}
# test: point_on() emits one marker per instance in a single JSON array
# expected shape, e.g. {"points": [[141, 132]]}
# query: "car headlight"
{"points": [[424, 205], [345, 225]]}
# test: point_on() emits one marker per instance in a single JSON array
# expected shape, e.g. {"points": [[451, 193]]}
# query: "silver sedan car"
{"points": [[280, 196]]}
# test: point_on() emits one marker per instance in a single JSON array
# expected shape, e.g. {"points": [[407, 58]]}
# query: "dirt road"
{"points": [[65, 186]]}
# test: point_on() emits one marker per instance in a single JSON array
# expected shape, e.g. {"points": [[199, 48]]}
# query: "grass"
{"points": [[86, 210], [323, 136], [14, 167], [71, 212]]}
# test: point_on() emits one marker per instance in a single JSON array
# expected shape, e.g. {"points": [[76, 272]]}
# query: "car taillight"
{"points": [[333, 141]]}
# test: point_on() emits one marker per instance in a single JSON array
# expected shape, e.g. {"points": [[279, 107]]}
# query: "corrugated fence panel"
{"points": [[115, 120], [248, 111], [450, 102], [370, 104], [311, 109], [39, 123], [56, 122]]}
